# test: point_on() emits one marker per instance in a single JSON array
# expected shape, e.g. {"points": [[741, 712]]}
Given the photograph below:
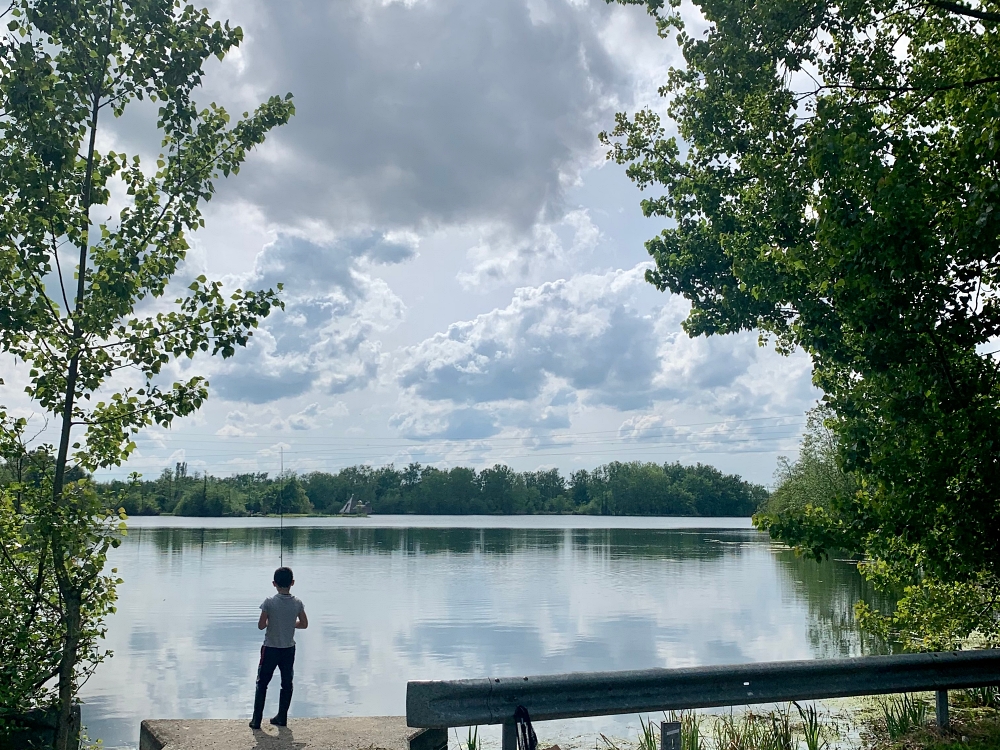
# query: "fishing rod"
{"points": [[281, 513]]}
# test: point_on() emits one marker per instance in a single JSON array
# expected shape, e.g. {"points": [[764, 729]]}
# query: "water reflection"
{"points": [[391, 604], [645, 543], [830, 590]]}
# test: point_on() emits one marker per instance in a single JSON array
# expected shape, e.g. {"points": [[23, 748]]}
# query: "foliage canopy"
{"points": [[834, 185], [617, 488]]}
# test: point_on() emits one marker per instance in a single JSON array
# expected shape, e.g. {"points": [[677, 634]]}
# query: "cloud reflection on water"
{"points": [[391, 604]]}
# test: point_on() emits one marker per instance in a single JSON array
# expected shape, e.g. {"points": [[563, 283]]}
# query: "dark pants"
{"points": [[270, 658]]}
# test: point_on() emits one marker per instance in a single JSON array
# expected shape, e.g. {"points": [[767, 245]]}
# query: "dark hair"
{"points": [[283, 578]]}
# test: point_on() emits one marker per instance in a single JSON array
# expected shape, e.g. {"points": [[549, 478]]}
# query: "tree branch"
{"points": [[119, 417], [14, 566], [40, 288], [890, 90], [55, 254], [164, 333], [962, 10]]}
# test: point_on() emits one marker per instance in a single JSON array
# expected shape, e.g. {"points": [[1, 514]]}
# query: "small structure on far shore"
{"points": [[354, 508]]}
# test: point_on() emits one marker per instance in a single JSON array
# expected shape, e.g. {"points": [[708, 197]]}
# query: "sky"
{"points": [[462, 268]]}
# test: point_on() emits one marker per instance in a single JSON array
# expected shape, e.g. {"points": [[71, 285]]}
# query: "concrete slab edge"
{"points": [[148, 739], [421, 739]]}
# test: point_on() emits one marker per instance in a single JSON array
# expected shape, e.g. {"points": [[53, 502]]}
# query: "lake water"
{"points": [[396, 598]]}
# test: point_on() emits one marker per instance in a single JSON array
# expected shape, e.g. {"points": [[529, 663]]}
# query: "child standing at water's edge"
{"points": [[281, 615]]}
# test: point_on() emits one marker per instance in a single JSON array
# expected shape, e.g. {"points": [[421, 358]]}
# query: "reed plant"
{"points": [[691, 735], [982, 697], [732, 733], [814, 733], [902, 713], [472, 741], [771, 731], [649, 738], [777, 734]]}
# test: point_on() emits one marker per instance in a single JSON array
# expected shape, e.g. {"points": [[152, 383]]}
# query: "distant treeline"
{"points": [[614, 489]]}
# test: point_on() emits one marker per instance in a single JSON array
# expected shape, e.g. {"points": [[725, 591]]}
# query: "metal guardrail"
{"points": [[459, 703]]}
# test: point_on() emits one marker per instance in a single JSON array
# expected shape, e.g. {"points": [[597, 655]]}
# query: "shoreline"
{"points": [[534, 521]]}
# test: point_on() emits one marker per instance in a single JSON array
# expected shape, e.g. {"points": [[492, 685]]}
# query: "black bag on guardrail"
{"points": [[526, 739]]}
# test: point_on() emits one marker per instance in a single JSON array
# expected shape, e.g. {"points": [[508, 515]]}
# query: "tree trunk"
{"points": [[71, 597], [67, 671]]}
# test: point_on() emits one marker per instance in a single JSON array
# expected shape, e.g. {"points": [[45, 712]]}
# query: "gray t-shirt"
{"points": [[282, 611]]}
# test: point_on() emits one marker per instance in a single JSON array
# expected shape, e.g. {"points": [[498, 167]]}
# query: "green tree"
{"points": [[579, 488], [815, 479], [211, 498], [85, 291], [835, 188], [619, 488], [498, 488], [324, 491], [551, 489], [249, 488], [463, 489], [286, 495], [36, 620]]}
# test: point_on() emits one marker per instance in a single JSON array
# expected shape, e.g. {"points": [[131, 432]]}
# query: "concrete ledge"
{"points": [[345, 733]]}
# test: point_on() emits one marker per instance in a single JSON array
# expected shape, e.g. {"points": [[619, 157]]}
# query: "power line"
{"points": [[697, 443], [314, 443], [214, 436], [638, 451], [775, 433]]}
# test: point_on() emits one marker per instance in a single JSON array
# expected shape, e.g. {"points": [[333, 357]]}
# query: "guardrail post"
{"points": [[509, 741], [670, 735], [942, 708]]}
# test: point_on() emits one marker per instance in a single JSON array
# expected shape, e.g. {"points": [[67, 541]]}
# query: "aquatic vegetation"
{"points": [[813, 731], [649, 739], [902, 713], [770, 731], [731, 733], [691, 736], [472, 741], [753, 730], [982, 697], [778, 732], [971, 728]]}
